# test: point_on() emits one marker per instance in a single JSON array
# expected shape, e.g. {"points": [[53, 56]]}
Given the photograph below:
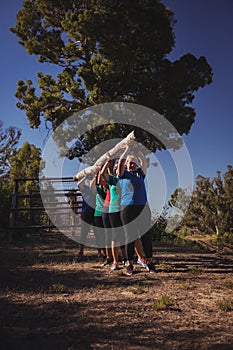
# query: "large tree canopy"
{"points": [[107, 51]]}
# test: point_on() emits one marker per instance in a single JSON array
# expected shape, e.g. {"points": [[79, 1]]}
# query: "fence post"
{"points": [[13, 211], [12, 217], [30, 206]]}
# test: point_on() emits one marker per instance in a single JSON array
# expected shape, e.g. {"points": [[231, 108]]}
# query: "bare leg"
{"points": [[108, 252], [138, 248], [115, 252]]}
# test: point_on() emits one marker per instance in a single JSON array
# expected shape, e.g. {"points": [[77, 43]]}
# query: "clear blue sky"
{"points": [[204, 27]]}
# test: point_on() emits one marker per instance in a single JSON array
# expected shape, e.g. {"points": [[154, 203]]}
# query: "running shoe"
{"points": [[124, 261], [108, 261], [114, 267], [151, 267], [143, 263], [129, 270]]}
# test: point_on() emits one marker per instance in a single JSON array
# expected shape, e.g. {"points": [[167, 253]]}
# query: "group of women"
{"points": [[120, 208]]}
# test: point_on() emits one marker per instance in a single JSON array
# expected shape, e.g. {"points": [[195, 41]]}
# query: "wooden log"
{"points": [[93, 170]]}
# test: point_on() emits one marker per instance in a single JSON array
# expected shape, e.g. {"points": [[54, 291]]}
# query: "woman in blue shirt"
{"points": [[134, 203]]}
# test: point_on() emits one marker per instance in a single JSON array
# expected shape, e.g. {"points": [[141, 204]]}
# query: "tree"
{"points": [[9, 139], [200, 215], [228, 190], [211, 208], [178, 203], [26, 164], [107, 51], [228, 200]]}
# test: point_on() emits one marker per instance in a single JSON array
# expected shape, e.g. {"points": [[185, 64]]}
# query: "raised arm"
{"points": [[93, 183], [121, 163], [141, 158], [81, 183], [104, 170]]}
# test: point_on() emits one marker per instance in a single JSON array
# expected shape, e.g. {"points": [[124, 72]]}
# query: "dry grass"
{"points": [[48, 301]]}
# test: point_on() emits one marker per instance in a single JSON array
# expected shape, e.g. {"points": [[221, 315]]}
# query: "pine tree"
{"points": [[228, 190], [211, 209], [26, 165], [9, 139], [106, 51], [179, 203]]}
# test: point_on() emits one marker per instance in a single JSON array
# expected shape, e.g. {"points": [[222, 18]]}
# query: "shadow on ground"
{"points": [[49, 301]]}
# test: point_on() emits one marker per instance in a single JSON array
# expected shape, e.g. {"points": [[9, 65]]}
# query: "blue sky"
{"points": [[203, 28]]}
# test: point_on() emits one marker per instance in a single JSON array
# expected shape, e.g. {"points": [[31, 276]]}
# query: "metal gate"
{"points": [[28, 211]]}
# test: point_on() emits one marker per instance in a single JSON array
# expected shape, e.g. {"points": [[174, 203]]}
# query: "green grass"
{"points": [[164, 303], [166, 267], [58, 288], [137, 289], [225, 304], [228, 284], [194, 270], [100, 286], [185, 285]]}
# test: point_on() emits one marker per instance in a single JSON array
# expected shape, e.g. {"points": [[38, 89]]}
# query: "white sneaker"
{"points": [[143, 263]]}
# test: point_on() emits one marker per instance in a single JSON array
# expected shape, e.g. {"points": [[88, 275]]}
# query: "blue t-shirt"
{"points": [[88, 203], [133, 190]]}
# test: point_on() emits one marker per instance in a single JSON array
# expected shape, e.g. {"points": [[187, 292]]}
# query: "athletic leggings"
{"points": [[87, 220], [118, 233], [98, 231], [107, 225], [136, 228]]}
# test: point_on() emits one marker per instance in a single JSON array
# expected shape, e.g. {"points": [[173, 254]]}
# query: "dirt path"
{"points": [[49, 301]]}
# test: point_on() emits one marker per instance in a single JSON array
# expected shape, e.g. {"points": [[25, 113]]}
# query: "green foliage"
{"points": [[100, 286], [226, 304], [9, 139], [5, 205], [57, 288], [186, 285], [183, 232], [26, 164], [211, 208], [160, 223], [164, 303], [165, 266], [180, 199], [137, 289], [106, 51], [22, 163], [228, 283], [195, 271]]}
